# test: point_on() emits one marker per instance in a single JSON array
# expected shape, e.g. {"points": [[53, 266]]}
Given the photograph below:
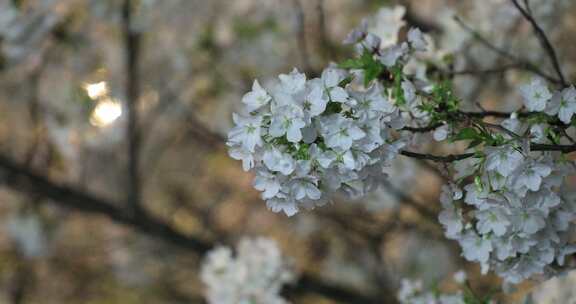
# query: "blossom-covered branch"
{"points": [[308, 139]]}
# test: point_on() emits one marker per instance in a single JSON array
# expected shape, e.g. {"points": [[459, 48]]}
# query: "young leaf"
{"points": [[468, 134]]}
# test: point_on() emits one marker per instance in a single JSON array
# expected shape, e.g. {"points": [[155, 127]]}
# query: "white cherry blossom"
{"points": [[247, 132], [256, 98], [563, 104], [330, 79], [416, 40], [255, 273], [340, 132], [503, 159], [535, 94]]}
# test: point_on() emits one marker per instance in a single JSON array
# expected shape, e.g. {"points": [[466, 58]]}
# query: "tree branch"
{"points": [[132, 54], [25, 180], [22, 179], [497, 70], [456, 157], [435, 158], [483, 114]]}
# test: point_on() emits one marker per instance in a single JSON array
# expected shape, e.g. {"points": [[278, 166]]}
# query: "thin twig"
{"points": [[435, 158], [543, 39], [497, 70], [520, 63], [425, 129], [456, 157], [480, 115], [502, 129]]}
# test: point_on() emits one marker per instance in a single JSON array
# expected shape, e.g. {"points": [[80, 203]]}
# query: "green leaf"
{"points": [[303, 152], [354, 63], [372, 72], [372, 67], [552, 136], [333, 107], [478, 183], [474, 143], [471, 298], [397, 91], [468, 134], [346, 81]]}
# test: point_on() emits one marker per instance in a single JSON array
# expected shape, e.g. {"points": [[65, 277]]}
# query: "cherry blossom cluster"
{"points": [[516, 214], [309, 138], [509, 205], [255, 274]]}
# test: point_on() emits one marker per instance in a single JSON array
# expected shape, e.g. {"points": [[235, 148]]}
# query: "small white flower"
{"points": [[371, 43], [247, 131], [409, 91], [466, 167], [324, 158], [538, 133], [390, 56], [256, 98], [503, 159], [316, 100], [362, 39], [441, 133], [492, 220], [531, 174], [282, 204], [514, 124], [387, 24], [563, 104], [416, 40], [372, 103], [480, 198], [267, 182], [535, 95], [255, 274], [302, 188], [530, 221], [452, 220], [239, 153], [278, 162], [287, 120], [373, 139], [476, 248], [460, 277], [331, 78], [292, 83], [340, 132]]}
